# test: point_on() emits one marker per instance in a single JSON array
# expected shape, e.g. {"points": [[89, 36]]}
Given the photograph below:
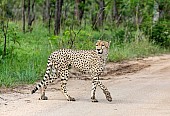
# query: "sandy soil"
{"points": [[139, 88]]}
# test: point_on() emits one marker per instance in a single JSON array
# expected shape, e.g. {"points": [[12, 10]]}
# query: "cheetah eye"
{"points": [[96, 44]]}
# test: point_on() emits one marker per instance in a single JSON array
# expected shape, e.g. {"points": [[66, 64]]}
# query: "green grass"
{"points": [[127, 51], [28, 60]]}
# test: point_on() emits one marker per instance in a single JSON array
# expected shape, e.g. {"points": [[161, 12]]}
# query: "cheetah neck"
{"points": [[104, 56]]}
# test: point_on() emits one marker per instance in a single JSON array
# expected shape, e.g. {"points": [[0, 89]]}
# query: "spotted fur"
{"points": [[87, 61]]}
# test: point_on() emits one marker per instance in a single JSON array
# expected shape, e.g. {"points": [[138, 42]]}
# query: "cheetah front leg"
{"points": [[64, 90], [105, 91], [94, 86], [96, 82]]}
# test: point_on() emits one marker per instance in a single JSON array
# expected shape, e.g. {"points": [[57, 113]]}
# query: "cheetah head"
{"points": [[102, 46]]}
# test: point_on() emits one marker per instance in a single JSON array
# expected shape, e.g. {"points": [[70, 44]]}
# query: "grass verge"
{"points": [[28, 60]]}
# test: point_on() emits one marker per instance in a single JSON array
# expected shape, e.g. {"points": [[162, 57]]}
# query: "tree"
{"points": [[58, 11], [79, 9], [23, 15], [101, 13], [46, 13], [31, 15], [115, 11], [98, 17], [4, 19], [5, 32]]}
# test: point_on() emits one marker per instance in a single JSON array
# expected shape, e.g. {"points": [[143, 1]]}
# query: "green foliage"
{"points": [[12, 40], [161, 34], [75, 39], [30, 58], [130, 50], [32, 50], [131, 31]]}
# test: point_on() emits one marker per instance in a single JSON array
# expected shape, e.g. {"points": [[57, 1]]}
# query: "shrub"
{"points": [[161, 34]]}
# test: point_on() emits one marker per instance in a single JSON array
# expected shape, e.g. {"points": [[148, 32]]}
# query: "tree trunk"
{"points": [[58, 11], [156, 13], [101, 13], [46, 13], [97, 20], [23, 16], [77, 2], [79, 9], [114, 11], [5, 31], [94, 21], [31, 15]]}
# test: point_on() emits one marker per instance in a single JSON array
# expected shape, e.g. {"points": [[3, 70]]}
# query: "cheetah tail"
{"points": [[46, 77]]}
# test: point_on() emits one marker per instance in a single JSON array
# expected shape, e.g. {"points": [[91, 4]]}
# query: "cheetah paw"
{"points": [[43, 98], [108, 96], [94, 100], [71, 99]]}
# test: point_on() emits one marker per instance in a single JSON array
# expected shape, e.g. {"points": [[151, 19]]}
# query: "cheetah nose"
{"points": [[98, 49]]}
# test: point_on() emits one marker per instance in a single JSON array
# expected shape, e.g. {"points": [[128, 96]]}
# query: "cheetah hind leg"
{"points": [[70, 98], [43, 97], [53, 77]]}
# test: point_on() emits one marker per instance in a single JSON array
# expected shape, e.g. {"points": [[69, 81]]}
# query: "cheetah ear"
{"points": [[107, 44], [98, 41]]}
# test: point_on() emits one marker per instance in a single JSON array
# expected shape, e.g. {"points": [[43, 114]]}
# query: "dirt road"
{"points": [[135, 93]]}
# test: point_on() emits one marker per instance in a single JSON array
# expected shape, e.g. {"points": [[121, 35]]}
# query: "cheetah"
{"points": [[86, 61]]}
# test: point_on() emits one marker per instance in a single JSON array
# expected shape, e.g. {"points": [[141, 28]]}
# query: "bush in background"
{"points": [[160, 34]]}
